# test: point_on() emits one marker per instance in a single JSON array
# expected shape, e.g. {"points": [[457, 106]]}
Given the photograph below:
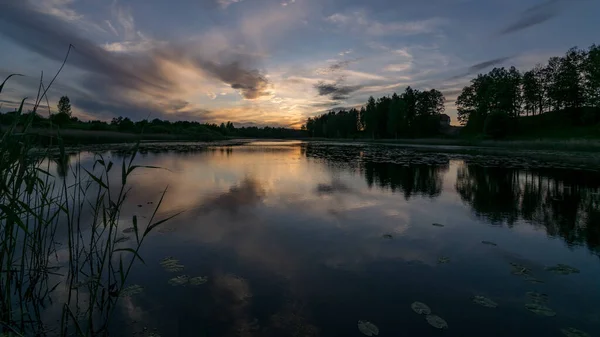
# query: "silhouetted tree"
{"points": [[64, 106]]}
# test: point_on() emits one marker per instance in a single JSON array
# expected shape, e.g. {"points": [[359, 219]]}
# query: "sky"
{"points": [[270, 62]]}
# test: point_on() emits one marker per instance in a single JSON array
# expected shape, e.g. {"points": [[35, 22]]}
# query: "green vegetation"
{"points": [[43, 216]]}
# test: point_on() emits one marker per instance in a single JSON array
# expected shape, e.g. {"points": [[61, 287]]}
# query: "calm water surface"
{"points": [[291, 238]]}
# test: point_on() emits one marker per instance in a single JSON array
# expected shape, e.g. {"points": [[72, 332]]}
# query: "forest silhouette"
{"points": [[494, 104]]}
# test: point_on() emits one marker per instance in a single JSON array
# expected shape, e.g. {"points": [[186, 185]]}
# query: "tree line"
{"points": [[413, 113], [493, 102], [64, 119]]}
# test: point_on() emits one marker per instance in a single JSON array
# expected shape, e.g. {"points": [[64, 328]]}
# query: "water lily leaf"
{"points": [[196, 281], [539, 309], [443, 259], [572, 332], [489, 243], [484, 301], [533, 280], [129, 230], [563, 269], [179, 280], [368, 328], [436, 321], [388, 236], [131, 290], [437, 225], [420, 308], [171, 265], [537, 297]]}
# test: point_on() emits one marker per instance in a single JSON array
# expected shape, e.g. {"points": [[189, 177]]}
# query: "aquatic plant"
{"points": [[388, 236], [563, 269], [368, 328], [538, 298], [179, 280], [420, 308], [133, 289], [443, 260], [489, 243], [436, 321], [171, 265], [539, 309], [437, 225], [86, 204], [572, 332], [484, 301], [196, 281]]}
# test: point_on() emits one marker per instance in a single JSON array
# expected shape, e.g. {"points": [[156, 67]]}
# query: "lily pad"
{"points": [[420, 308], [489, 243], [563, 269], [519, 270], [443, 259], [131, 290], [484, 301], [533, 280], [388, 236], [539, 309], [129, 230], [437, 225], [196, 281], [179, 280], [171, 265], [572, 332], [537, 297], [368, 328], [436, 321]]}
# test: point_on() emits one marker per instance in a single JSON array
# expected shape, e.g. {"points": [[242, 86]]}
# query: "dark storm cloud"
{"points": [[335, 90], [536, 15], [111, 73]]}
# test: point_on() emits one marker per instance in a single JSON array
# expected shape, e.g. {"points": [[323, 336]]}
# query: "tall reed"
{"points": [[90, 262]]}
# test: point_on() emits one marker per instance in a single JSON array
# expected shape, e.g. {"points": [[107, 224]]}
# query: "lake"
{"points": [[308, 239]]}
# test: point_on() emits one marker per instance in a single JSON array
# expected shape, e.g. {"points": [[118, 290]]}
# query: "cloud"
{"points": [[130, 81], [226, 3], [286, 3], [483, 65], [335, 91], [359, 22], [536, 15]]}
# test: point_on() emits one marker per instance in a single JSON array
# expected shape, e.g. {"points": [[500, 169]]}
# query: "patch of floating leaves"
{"points": [[368, 328], [129, 230], [196, 281], [179, 280], [540, 309], [563, 269], [171, 265], [484, 301], [420, 308], [388, 236], [537, 297], [572, 332], [489, 243], [436, 322], [133, 289], [437, 225], [443, 260]]}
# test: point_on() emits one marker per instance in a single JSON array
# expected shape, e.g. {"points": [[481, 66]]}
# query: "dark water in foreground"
{"points": [[291, 238]]}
